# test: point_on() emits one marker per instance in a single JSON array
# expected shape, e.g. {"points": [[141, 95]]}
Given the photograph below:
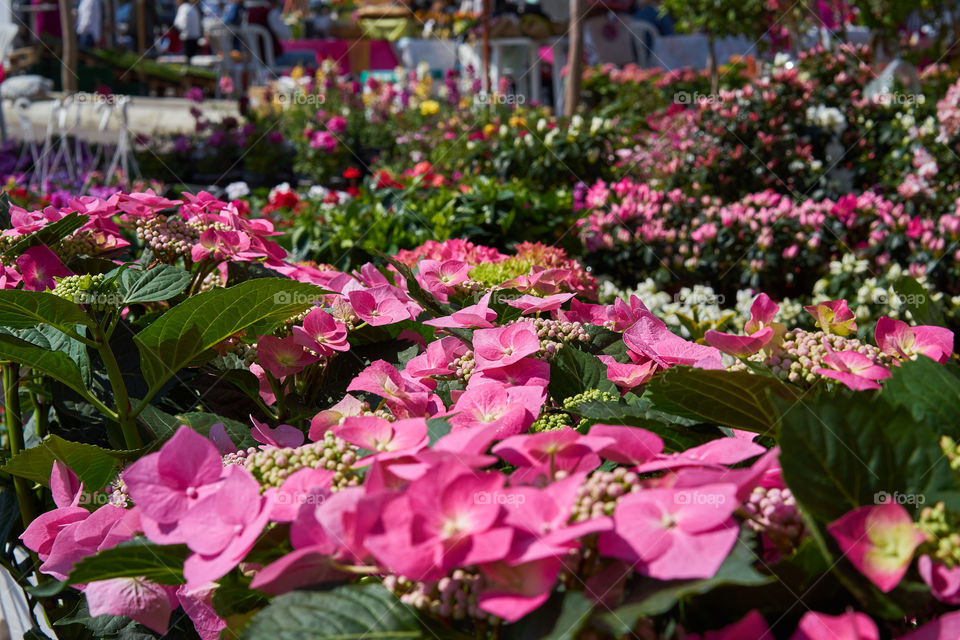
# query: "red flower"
{"points": [[352, 173]]}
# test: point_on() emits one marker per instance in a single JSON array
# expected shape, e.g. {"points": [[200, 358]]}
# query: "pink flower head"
{"points": [[323, 140], [879, 540], [477, 316], [103, 529], [381, 436], [504, 346], [337, 124], [631, 445], [628, 376], [739, 346], [849, 626], [435, 361], [379, 306], [222, 527], [502, 410], [523, 373], [752, 626], [404, 397], [852, 368], [943, 581], [164, 485], [283, 436], [898, 339], [282, 356], [147, 602], [532, 304], [716, 453], [321, 333], [447, 518], [834, 317], [649, 337], [762, 312], [543, 454], [439, 278], [323, 421], [39, 266], [674, 533]]}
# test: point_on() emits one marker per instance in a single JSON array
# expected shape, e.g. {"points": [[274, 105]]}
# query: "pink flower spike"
{"points": [[532, 304], [282, 356], [849, 626], [283, 436], [834, 317], [628, 376], [944, 582], [739, 346], [165, 484], [898, 339], [504, 345], [321, 333], [762, 312], [39, 266], [139, 599], [879, 540], [853, 369]]}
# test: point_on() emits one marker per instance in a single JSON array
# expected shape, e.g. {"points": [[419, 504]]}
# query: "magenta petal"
{"points": [[64, 485], [146, 602], [849, 626], [946, 627], [198, 604], [739, 346], [301, 568], [752, 626]]}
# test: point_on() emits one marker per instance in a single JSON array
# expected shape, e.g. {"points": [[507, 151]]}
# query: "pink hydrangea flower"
{"points": [[853, 369], [834, 317], [943, 581], [849, 626], [879, 540], [504, 346], [506, 411], [282, 356], [321, 333], [477, 316], [650, 339], [897, 338], [147, 602], [39, 266], [532, 304]]}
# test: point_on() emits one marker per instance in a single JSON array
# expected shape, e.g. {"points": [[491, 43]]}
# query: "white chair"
{"points": [[607, 39], [259, 47], [8, 33], [510, 58], [220, 38], [645, 36]]}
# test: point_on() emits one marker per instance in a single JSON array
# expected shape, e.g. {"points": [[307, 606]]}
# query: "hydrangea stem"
{"points": [[14, 425]]}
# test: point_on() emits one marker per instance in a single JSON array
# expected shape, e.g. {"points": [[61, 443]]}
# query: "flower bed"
{"points": [[454, 441]]}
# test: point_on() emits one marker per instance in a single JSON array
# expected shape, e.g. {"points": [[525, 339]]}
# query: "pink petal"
{"points": [[146, 602]]}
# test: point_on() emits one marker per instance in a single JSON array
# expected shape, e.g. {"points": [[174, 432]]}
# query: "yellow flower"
{"points": [[296, 73], [488, 130], [516, 121], [429, 107]]}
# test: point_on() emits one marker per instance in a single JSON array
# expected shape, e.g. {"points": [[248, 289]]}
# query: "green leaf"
{"points": [[838, 453], [49, 235], [675, 437], [5, 210], [729, 398], [54, 364], [437, 428], [137, 558], [21, 309], [163, 425], [93, 465], [657, 597], [574, 613], [153, 285], [352, 612], [929, 391], [185, 332], [915, 298], [573, 371]]}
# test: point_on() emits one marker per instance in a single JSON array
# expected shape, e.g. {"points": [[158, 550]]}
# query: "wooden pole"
{"points": [[485, 45], [68, 63], [141, 6], [574, 59]]}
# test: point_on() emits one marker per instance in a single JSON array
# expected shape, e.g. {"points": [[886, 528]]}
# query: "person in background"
{"points": [[267, 15], [89, 23], [188, 24], [648, 11]]}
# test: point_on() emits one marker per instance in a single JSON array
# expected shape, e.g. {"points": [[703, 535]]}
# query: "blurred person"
{"points": [[190, 27], [267, 14], [649, 11], [89, 23]]}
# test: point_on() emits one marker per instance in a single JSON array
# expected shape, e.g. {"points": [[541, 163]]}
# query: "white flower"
{"points": [[317, 192], [237, 190]]}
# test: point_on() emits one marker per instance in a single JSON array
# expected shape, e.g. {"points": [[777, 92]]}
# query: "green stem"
{"points": [[14, 425], [128, 425], [42, 412]]}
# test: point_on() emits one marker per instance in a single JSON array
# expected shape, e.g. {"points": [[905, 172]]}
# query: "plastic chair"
{"points": [[645, 36], [8, 33], [259, 45], [608, 39]]}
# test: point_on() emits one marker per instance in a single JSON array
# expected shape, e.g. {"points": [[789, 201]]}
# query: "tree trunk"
{"points": [[68, 64], [574, 59], [485, 46], [714, 65]]}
